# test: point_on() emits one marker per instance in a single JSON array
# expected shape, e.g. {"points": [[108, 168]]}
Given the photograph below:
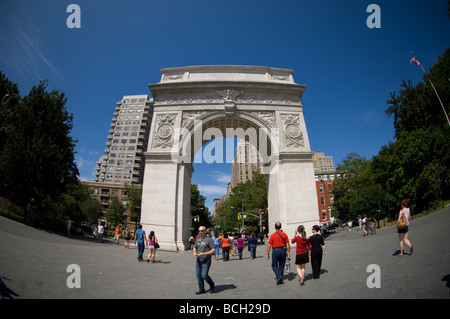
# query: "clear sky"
{"points": [[349, 68]]}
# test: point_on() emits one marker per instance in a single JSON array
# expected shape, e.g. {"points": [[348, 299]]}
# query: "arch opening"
{"points": [[213, 126]]}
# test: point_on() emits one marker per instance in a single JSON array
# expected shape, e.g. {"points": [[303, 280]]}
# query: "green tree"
{"points": [[252, 195], [115, 211], [37, 158], [91, 209], [9, 98], [348, 189], [199, 209], [417, 107], [416, 166], [134, 196]]}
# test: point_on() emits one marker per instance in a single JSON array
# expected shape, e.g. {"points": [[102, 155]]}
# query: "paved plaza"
{"points": [[34, 265]]}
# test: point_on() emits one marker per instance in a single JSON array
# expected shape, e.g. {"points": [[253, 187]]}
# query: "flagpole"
{"points": [[432, 85]]}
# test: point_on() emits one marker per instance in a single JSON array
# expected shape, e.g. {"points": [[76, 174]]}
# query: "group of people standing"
{"points": [[307, 250], [230, 245], [97, 232]]}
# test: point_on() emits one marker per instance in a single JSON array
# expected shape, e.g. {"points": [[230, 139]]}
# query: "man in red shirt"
{"points": [[279, 242]]}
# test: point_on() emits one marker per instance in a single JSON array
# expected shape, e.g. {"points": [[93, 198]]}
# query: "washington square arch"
{"points": [[195, 104]]}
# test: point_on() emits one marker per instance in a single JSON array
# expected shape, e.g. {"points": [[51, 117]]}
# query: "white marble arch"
{"points": [[191, 102]]}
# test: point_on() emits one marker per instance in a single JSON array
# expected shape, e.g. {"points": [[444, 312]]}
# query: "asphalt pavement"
{"points": [[36, 264]]}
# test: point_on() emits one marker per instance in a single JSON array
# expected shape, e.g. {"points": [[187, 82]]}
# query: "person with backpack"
{"points": [[127, 236], [402, 230]]}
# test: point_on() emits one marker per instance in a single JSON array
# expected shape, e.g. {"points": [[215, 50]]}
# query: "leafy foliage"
{"points": [[37, 166], [199, 209], [415, 166], [252, 195], [134, 196]]}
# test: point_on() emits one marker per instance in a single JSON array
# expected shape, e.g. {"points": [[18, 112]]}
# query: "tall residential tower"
{"points": [[127, 141]]}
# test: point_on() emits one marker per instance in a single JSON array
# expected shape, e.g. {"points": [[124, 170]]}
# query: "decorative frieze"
{"points": [[222, 95], [267, 117], [190, 117]]}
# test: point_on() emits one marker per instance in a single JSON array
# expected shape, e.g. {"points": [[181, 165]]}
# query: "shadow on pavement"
{"points": [[5, 292]]}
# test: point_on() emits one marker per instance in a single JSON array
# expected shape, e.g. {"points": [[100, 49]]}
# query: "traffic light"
{"points": [[239, 216]]}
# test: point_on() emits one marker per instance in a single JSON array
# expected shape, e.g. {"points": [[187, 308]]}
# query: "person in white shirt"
{"points": [[100, 232]]}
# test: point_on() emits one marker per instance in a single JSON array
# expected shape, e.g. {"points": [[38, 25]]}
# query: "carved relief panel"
{"points": [[293, 135], [163, 137]]}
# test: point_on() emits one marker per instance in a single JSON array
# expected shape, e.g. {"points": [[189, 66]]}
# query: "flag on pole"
{"points": [[414, 60]]}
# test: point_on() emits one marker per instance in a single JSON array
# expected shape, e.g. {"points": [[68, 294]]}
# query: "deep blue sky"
{"points": [[348, 68]]}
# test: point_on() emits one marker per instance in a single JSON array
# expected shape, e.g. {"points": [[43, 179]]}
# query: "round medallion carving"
{"points": [[165, 131], [292, 131]]}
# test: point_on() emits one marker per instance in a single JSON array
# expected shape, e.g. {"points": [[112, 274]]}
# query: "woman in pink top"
{"points": [[151, 246], [240, 245], [403, 233]]}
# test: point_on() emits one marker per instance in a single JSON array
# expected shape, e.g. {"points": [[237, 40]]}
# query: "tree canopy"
{"points": [[37, 157], [416, 165], [251, 197]]}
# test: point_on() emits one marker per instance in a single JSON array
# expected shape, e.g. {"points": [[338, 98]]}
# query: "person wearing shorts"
{"points": [[151, 246], [403, 233]]}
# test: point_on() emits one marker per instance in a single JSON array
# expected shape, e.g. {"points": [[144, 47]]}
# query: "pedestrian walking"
{"points": [[303, 252], [216, 240], [203, 249], [127, 236], [152, 241], [240, 246], [365, 222], [232, 245], [69, 225], [405, 213], [350, 226], [140, 237], [279, 242], [252, 244], [192, 242], [226, 244], [117, 233], [318, 249], [100, 230], [95, 233]]}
